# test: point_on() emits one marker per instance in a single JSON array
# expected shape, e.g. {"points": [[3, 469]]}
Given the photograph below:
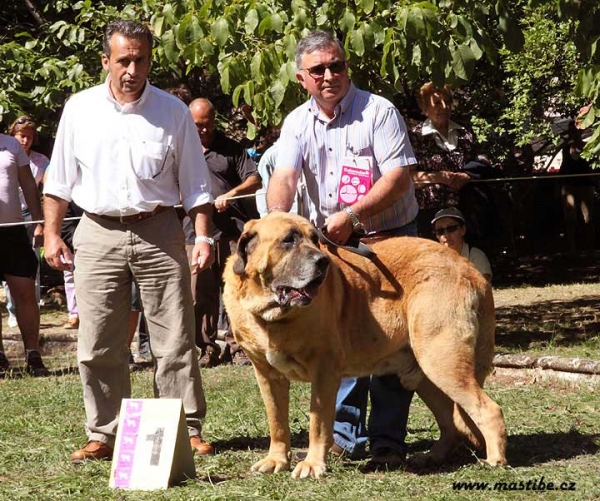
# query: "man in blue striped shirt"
{"points": [[354, 151]]}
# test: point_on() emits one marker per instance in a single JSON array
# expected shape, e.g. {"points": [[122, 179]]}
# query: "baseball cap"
{"points": [[448, 212]]}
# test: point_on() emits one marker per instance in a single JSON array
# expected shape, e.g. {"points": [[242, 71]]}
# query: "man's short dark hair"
{"points": [[317, 40], [129, 29]]}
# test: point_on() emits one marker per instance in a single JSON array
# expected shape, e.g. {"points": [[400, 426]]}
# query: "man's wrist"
{"points": [[203, 238], [354, 220]]}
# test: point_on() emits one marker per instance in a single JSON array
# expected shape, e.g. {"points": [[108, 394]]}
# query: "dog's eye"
{"points": [[314, 237], [290, 239]]}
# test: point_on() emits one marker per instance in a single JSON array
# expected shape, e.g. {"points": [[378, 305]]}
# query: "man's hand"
{"points": [[203, 257], [38, 235], [339, 227], [56, 252], [456, 180], [221, 202]]}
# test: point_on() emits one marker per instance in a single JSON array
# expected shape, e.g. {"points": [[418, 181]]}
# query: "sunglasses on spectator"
{"points": [[318, 71], [448, 229], [23, 121]]}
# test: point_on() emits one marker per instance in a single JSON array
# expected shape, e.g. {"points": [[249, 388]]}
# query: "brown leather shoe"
{"points": [[201, 447], [93, 450]]}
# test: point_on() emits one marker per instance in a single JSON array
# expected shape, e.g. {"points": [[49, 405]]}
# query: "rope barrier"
{"points": [[254, 195]]}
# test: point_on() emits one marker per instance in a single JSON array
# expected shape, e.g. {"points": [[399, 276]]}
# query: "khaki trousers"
{"points": [[109, 255]]}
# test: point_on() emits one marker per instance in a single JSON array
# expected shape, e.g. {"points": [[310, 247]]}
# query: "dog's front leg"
{"points": [[325, 384], [275, 391]]}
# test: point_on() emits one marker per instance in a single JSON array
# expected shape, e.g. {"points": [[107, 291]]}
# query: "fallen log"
{"points": [[561, 364]]}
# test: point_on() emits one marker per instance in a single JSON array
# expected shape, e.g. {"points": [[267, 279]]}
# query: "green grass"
{"points": [[561, 327], [554, 433]]}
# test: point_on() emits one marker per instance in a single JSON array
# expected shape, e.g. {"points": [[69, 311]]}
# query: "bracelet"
{"points": [[274, 209], [208, 240]]}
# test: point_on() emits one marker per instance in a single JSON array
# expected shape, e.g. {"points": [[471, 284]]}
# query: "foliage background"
{"points": [[517, 65]]}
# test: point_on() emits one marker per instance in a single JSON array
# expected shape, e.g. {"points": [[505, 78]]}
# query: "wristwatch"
{"points": [[357, 226], [210, 241]]}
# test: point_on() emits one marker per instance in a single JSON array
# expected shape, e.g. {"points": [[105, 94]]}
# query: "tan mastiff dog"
{"points": [[302, 312]]}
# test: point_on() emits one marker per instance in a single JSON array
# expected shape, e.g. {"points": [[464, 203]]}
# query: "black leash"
{"points": [[353, 244]]}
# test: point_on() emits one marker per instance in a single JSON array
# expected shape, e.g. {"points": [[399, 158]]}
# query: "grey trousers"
{"points": [[109, 255]]}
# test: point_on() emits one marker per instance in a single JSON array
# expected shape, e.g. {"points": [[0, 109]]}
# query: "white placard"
{"points": [[152, 448]]}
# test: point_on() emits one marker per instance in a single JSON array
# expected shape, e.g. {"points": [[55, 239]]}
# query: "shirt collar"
{"points": [[127, 106], [428, 127], [342, 106], [446, 143]]}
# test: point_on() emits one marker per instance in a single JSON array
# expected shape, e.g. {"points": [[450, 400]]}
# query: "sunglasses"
{"points": [[318, 71], [23, 121], [448, 229]]}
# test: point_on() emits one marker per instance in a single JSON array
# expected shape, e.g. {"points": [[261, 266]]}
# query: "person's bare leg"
{"points": [[134, 318], [28, 311]]}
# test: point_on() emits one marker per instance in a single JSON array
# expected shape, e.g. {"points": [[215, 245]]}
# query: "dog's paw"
{"points": [[271, 464], [305, 469], [495, 462]]}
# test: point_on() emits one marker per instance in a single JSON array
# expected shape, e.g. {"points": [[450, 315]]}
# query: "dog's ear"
{"points": [[245, 246]]}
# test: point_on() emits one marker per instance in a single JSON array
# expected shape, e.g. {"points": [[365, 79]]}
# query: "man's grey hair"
{"points": [[317, 40], [129, 29]]}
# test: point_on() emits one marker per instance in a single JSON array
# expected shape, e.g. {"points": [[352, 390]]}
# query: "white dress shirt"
{"points": [[119, 160]]}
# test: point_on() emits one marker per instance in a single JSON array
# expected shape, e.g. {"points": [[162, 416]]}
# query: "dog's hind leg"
{"points": [[275, 391], [454, 374], [442, 408]]}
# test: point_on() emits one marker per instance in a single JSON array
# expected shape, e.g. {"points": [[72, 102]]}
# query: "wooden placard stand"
{"points": [[152, 448]]}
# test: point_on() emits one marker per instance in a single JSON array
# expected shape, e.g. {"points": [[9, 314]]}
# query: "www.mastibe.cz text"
{"points": [[539, 485]]}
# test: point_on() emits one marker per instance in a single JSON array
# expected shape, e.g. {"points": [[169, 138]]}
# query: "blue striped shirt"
{"points": [[364, 125]]}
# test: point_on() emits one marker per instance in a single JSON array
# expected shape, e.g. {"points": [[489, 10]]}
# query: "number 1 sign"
{"points": [[152, 449]]}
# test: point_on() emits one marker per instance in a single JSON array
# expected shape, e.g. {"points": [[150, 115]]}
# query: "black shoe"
{"points": [[210, 358], [4, 364], [35, 365], [133, 365], [385, 459]]}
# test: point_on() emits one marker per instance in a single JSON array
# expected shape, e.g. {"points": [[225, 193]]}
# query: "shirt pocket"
{"points": [[150, 159]]}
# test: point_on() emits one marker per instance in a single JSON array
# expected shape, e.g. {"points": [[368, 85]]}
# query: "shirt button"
{"points": [[331, 173], [330, 195]]}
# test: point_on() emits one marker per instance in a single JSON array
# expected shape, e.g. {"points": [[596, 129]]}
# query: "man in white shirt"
{"points": [[126, 153]]}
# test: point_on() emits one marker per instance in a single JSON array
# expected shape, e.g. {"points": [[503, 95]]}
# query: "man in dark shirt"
{"points": [[233, 174]]}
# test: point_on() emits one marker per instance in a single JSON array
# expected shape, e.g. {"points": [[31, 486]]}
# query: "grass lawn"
{"points": [[554, 427], [554, 435]]}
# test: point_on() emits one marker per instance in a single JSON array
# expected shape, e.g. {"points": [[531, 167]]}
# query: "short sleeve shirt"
{"points": [[12, 156], [364, 125]]}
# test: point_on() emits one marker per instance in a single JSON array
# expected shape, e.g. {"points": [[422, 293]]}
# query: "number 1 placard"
{"points": [[152, 449]]}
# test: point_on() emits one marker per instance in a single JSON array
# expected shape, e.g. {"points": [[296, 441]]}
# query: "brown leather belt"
{"points": [[134, 218]]}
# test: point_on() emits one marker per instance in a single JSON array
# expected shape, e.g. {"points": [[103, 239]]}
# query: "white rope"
{"points": [[252, 195]]}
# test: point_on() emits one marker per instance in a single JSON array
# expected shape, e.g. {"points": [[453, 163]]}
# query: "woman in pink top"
{"points": [[24, 130]]}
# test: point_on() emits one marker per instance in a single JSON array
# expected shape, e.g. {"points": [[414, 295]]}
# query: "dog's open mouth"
{"points": [[287, 295]]}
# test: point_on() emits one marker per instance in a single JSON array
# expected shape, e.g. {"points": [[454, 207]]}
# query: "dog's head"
{"points": [[281, 254]]}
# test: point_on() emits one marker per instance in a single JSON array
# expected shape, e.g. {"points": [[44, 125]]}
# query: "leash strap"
{"points": [[353, 244]]}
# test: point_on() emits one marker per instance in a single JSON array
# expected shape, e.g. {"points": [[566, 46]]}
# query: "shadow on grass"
{"points": [[523, 450], [19, 373], [540, 271], [558, 323], [298, 441]]}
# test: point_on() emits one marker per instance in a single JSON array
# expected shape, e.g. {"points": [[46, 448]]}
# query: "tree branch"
{"points": [[33, 10]]}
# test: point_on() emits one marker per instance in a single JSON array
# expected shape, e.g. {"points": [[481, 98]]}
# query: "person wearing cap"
{"points": [[450, 228]]}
